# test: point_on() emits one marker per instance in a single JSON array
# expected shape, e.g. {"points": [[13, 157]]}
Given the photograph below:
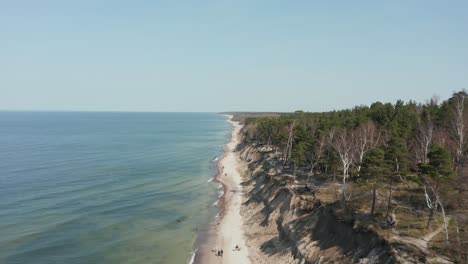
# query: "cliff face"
{"points": [[287, 223]]}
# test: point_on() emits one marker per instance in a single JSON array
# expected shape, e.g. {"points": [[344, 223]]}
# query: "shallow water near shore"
{"points": [[106, 187]]}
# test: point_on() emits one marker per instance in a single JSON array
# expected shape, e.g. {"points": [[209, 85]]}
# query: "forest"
{"points": [[407, 157]]}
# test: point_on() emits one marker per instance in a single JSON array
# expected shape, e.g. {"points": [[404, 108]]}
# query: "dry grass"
{"points": [[327, 195], [410, 222], [453, 249], [413, 225]]}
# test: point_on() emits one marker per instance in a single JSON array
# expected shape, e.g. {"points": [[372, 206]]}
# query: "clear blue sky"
{"points": [[228, 55]]}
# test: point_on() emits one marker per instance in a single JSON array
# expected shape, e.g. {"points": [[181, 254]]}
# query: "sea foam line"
{"points": [[192, 258]]}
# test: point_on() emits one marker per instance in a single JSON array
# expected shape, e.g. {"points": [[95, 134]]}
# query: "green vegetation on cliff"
{"points": [[400, 164]]}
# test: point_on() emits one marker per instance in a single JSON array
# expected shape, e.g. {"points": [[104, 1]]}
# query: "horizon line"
{"points": [[130, 111]]}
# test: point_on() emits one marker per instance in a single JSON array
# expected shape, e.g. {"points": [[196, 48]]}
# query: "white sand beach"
{"points": [[229, 230]]}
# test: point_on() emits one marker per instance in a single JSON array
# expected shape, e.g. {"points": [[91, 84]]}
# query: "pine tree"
{"points": [[374, 170]]}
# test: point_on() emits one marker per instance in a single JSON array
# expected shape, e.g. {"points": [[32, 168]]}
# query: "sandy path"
{"points": [[421, 242], [229, 231]]}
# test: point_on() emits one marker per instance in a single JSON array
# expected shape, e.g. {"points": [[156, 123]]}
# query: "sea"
{"points": [[107, 187]]}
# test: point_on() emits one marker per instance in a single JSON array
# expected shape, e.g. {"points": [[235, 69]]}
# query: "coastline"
{"points": [[226, 231]]}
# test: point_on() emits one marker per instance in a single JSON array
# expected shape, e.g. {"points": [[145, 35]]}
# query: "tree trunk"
{"points": [[459, 127], [285, 154], [295, 171], [458, 240], [308, 176], [389, 203], [343, 197], [443, 215], [373, 201], [432, 208], [430, 218], [460, 168], [445, 223]]}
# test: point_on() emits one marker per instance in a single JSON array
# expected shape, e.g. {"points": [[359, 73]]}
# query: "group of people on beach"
{"points": [[219, 253]]}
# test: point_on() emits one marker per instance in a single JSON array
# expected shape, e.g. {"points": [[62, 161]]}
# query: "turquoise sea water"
{"points": [[106, 187]]}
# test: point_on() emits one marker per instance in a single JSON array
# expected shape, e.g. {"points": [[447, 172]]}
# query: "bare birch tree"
{"points": [[458, 125], [318, 152], [434, 188], [317, 155], [367, 138], [435, 173], [423, 135], [290, 141], [343, 143]]}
